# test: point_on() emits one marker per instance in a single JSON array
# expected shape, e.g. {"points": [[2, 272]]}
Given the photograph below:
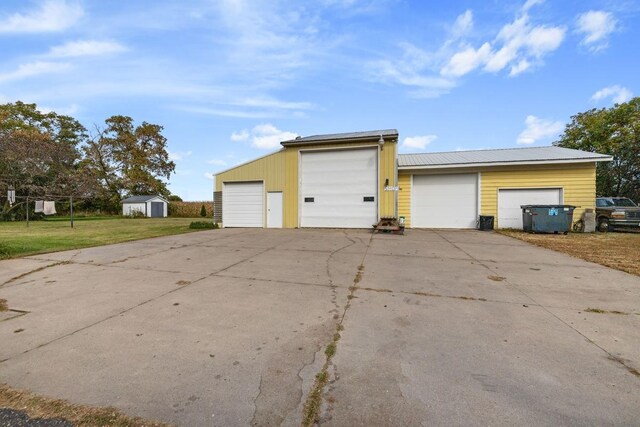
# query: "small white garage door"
{"points": [[444, 201], [338, 188], [243, 204], [509, 202]]}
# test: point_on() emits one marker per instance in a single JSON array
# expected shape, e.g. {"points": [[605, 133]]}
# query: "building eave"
{"points": [[520, 163]]}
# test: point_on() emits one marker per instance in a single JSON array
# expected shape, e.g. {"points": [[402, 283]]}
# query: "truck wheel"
{"points": [[603, 225]]}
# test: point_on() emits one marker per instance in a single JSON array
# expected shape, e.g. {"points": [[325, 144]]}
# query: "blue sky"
{"points": [[229, 79]]}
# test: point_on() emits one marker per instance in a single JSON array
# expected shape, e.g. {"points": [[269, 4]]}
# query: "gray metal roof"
{"points": [[370, 134], [504, 155], [141, 199]]}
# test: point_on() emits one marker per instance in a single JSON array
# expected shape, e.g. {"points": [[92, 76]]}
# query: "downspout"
{"points": [[397, 182]]}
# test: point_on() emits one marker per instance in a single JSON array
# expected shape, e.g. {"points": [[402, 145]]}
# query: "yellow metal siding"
{"points": [[268, 169], [404, 198], [578, 182], [386, 161], [279, 171]]}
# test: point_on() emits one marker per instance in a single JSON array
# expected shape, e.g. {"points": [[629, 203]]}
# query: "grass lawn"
{"points": [[16, 239], [82, 416], [615, 250]]}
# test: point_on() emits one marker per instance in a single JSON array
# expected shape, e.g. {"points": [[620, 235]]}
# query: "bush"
{"points": [[203, 225], [203, 211], [136, 214], [19, 212]]}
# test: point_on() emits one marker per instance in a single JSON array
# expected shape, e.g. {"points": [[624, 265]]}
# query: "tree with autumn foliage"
{"points": [[614, 131], [39, 152], [126, 159], [48, 154]]}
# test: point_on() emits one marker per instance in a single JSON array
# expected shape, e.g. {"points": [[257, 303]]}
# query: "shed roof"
{"points": [[349, 136], [142, 199], [526, 155]]}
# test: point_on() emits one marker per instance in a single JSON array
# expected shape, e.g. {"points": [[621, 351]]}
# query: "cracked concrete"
{"points": [[229, 327]]}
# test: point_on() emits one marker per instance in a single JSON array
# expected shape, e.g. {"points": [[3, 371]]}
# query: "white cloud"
{"points": [[217, 162], [618, 94], [273, 103], [467, 60], [419, 142], [537, 128], [67, 111], [34, 69], [52, 15], [243, 135], [209, 176], [412, 70], [270, 41], [252, 108], [263, 136], [463, 25], [520, 67], [267, 137], [179, 155], [517, 46], [596, 26], [530, 3], [86, 48]]}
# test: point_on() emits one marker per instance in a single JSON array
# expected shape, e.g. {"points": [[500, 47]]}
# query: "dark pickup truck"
{"points": [[616, 212]]}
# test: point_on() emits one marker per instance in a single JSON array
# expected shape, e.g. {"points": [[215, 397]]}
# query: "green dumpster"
{"points": [[547, 218]]}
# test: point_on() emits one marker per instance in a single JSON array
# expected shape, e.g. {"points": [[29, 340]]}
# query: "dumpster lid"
{"points": [[547, 206]]}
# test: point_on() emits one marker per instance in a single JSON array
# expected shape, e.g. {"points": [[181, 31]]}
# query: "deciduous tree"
{"points": [[39, 152], [614, 131], [128, 159]]}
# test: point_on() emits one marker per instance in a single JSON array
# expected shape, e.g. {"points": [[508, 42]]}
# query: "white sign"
{"points": [[391, 188]]}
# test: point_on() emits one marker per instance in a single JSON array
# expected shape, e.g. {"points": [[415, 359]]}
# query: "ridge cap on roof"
{"points": [[345, 135], [142, 196], [491, 149]]}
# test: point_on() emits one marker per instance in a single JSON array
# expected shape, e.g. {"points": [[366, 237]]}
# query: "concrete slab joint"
{"points": [[326, 327]]}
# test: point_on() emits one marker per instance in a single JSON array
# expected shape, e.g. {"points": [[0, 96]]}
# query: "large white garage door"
{"points": [[243, 204], [509, 202], [339, 188], [444, 201]]}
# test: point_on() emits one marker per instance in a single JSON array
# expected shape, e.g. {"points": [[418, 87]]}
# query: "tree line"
{"points": [[48, 154], [45, 153]]}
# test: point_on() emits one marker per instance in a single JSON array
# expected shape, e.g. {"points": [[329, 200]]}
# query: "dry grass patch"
{"points": [[3, 305], [79, 415], [615, 250]]}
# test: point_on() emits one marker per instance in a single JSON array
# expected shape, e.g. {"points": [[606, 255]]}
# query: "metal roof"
{"points": [[498, 156], [370, 134], [141, 199]]}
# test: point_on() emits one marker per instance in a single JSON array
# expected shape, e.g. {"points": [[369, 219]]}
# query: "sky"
{"points": [[229, 79]]}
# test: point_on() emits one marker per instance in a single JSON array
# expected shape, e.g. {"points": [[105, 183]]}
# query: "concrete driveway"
{"points": [[229, 327]]}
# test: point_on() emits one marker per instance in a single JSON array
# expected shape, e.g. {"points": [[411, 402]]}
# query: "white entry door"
{"points": [[243, 204], [510, 200], [444, 201], [274, 209], [339, 188]]}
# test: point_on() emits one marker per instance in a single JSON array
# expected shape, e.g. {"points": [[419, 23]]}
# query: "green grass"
{"points": [[16, 239]]}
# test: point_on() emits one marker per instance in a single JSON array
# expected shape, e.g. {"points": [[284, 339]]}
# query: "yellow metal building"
{"points": [[305, 181], [351, 180]]}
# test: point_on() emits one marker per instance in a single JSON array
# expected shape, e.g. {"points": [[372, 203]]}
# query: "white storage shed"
{"points": [[151, 206]]}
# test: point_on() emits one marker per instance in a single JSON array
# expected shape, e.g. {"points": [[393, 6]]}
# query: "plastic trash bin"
{"points": [[485, 223], [547, 218]]}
